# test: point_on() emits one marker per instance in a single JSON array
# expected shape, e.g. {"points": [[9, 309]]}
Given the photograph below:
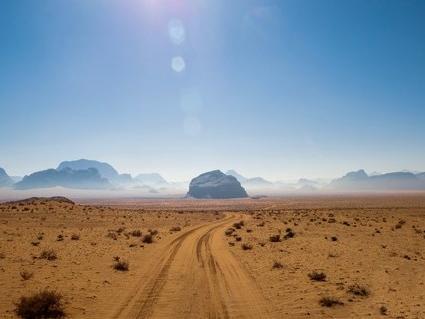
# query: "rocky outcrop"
{"points": [[217, 185]]}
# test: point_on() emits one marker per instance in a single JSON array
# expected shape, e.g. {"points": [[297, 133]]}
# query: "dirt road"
{"points": [[196, 276]]}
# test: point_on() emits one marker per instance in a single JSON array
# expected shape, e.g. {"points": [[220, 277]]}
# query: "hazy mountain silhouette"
{"points": [[238, 176], [67, 177], [151, 179], [302, 182], [359, 181], [5, 180], [216, 184], [105, 170], [254, 182]]}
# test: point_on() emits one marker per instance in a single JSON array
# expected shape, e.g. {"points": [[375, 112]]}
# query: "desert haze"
{"points": [[295, 257]]}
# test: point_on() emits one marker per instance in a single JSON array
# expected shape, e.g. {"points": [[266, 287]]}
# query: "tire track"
{"points": [[196, 277], [144, 298]]}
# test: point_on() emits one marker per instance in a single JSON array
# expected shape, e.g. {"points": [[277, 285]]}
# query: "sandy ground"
{"points": [[221, 263]]}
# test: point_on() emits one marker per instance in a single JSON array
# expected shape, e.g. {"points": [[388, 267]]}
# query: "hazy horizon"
{"points": [[224, 170], [277, 89]]}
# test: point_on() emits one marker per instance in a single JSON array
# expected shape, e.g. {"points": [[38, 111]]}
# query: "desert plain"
{"points": [[334, 256]]}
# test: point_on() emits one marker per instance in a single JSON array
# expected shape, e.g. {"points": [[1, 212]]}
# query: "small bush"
{"points": [[317, 276], [121, 265], [383, 310], [289, 233], [59, 238], [330, 302], [136, 233], [48, 254], [44, 304], [229, 231], [26, 275], [238, 225], [75, 237], [358, 290], [176, 228], [277, 265], [246, 246], [275, 238], [147, 239]]}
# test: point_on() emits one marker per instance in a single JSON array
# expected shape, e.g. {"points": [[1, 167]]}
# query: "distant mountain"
{"points": [[254, 182], [257, 182], [66, 177], [5, 180], [307, 183], [151, 179], [238, 176], [216, 184], [105, 170], [360, 181]]}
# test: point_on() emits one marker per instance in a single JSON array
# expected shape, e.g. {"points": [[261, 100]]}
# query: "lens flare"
{"points": [[178, 64], [176, 31]]}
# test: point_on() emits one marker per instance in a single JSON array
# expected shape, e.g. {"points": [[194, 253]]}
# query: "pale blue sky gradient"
{"points": [[281, 89]]}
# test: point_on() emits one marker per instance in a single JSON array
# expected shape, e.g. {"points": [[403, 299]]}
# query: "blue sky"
{"points": [[281, 89]]}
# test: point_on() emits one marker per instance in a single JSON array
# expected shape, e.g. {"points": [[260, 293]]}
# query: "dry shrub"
{"points": [[121, 265], [229, 231], [148, 239], [289, 233], [48, 254], [317, 276], [383, 310], [44, 304], [277, 265], [136, 233], [238, 225], [330, 302], [358, 290], [246, 246], [75, 237], [176, 228], [275, 238]]}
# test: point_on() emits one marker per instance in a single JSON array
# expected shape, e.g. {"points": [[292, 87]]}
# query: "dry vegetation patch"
{"points": [[41, 305]]}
